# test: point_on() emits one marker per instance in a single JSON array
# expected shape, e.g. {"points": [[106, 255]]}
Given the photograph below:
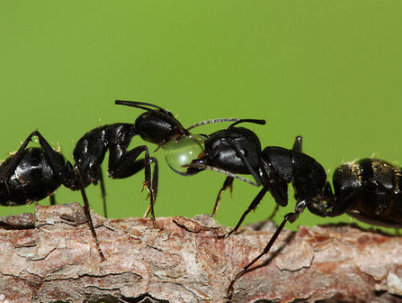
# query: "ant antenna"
{"points": [[237, 121], [255, 121], [148, 107], [212, 121], [142, 105], [222, 171]]}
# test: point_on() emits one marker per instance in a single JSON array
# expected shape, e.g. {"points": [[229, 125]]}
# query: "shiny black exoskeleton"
{"points": [[156, 125], [32, 180], [33, 173], [237, 150], [369, 190]]}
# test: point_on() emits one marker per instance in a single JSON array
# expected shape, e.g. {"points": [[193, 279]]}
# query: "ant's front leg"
{"points": [[228, 183], [229, 180], [123, 164], [155, 177]]}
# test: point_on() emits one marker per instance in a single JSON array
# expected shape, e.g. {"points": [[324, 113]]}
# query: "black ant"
{"points": [[156, 125], [33, 173], [369, 190], [237, 150]]}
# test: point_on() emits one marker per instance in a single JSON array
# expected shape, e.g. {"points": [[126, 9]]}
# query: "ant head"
{"points": [[156, 125], [159, 126], [233, 149]]}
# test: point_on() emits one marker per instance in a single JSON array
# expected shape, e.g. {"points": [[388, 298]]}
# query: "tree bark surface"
{"points": [[183, 261]]}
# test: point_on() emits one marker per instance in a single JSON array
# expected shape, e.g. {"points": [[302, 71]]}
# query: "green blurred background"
{"points": [[328, 70]]}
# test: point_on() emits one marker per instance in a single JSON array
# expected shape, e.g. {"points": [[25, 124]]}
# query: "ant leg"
{"points": [[88, 214], [329, 195], [103, 191], [252, 206], [297, 146], [381, 205], [54, 158], [10, 168], [291, 217], [279, 190], [240, 154], [58, 167], [155, 176], [121, 165], [228, 183], [344, 203], [52, 199]]}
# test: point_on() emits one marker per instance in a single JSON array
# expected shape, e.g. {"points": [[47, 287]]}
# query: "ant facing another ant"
{"points": [[33, 173], [369, 190]]}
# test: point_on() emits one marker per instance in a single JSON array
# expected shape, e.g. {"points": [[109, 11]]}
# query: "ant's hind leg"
{"points": [[88, 214], [52, 156], [10, 168], [103, 191]]}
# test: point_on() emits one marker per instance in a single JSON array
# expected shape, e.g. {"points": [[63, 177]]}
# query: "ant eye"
{"points": [[182, 151]]}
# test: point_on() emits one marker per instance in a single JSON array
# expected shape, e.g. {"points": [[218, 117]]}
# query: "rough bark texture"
{"points": [[183, 261]]}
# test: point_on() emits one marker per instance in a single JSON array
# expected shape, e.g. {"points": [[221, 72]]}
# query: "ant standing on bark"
{"points": [[156, 125], [33, 173], [237, 150], [369, 190]]}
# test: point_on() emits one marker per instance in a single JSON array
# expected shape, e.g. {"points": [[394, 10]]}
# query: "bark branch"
{"points": [[185, 262]]}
